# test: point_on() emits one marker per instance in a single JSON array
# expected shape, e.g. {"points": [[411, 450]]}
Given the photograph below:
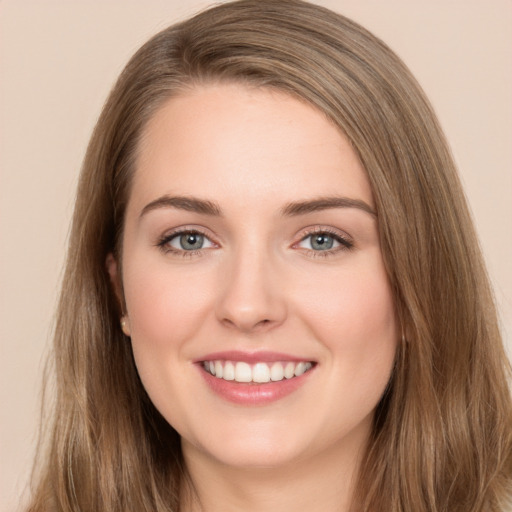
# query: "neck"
{"points": [[323, 483]]}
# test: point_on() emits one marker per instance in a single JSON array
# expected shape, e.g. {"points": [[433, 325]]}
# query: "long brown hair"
{"points": [[442, 433]]}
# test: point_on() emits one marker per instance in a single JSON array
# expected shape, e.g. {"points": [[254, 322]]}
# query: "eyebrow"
{"points": [[325, 203], [194, 204], [190, 204]]}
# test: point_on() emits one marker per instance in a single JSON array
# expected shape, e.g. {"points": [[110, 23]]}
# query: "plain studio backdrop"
{"points": [[58, 60]]}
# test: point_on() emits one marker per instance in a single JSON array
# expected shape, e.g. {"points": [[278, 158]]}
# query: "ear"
{"points": [[115, 278], [115, 281]]}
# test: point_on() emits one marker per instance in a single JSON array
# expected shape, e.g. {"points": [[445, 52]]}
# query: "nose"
{"points": [[252, 298]]}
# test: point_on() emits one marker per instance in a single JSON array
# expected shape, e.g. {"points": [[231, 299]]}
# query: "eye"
{"points": [[324, 241], [319, 242], [185, 241]]}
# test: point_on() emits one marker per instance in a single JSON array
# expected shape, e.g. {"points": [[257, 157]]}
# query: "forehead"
{"points": [[257, 144]]}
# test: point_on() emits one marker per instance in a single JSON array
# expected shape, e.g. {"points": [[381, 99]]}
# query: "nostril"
{"points": [[248, 325]]}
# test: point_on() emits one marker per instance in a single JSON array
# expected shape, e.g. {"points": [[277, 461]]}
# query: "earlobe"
{"points": [[405, 337], [125, 325]]}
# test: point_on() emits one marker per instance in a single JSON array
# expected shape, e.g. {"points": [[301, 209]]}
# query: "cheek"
{"points": [[353, 315], [353, 302], [355, 322], [165, 307]]}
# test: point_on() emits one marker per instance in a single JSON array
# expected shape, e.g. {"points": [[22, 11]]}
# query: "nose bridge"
{"points": [[251, 297]]}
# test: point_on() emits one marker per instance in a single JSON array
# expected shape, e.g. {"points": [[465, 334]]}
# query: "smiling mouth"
{"points": [[258, 373]]}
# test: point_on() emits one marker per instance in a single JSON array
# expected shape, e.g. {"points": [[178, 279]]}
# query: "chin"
{"points": [[261, 455], [253, 444]]}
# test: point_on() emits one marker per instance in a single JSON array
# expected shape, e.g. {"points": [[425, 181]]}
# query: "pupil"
{"points": [[191, 241], [322, 242]]}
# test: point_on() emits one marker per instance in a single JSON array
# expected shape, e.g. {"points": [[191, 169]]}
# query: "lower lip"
{"points": [[253, 393]]}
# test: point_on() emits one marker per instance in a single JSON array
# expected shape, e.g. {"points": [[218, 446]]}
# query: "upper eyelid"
{"points": [[187, 229], [312, 230], [163, 242], [345, 241]]}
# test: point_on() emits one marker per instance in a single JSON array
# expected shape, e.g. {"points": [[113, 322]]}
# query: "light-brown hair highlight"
{"points": [[442, 437]]}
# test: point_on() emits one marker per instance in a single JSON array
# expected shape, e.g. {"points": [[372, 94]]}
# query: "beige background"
{"points": [[58, 60]]}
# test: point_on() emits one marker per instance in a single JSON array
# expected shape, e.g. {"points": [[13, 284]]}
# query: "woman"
{"points": [[274, 296]]}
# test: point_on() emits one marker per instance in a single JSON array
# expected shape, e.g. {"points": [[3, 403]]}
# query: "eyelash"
{"points": [[345, 243], [164, 241]]}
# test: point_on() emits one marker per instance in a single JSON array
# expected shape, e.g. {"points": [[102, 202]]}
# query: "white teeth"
{"points": [[276, 372], [218, 369], [229, 371], [243, 372], [289, 370], [299, 369], [261, 373], [258, 372]]}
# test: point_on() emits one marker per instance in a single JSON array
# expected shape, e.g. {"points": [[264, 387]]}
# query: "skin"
{"points": [[257, 284]]}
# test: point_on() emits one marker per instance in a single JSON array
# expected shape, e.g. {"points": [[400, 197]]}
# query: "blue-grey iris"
{"points": [[322, 242], [191, 241]]}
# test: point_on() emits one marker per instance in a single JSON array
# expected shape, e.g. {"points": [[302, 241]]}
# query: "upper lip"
{"points": [[251, 357]]}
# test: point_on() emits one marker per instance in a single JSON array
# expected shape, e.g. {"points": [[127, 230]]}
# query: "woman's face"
{"points": [[251, 248]]}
